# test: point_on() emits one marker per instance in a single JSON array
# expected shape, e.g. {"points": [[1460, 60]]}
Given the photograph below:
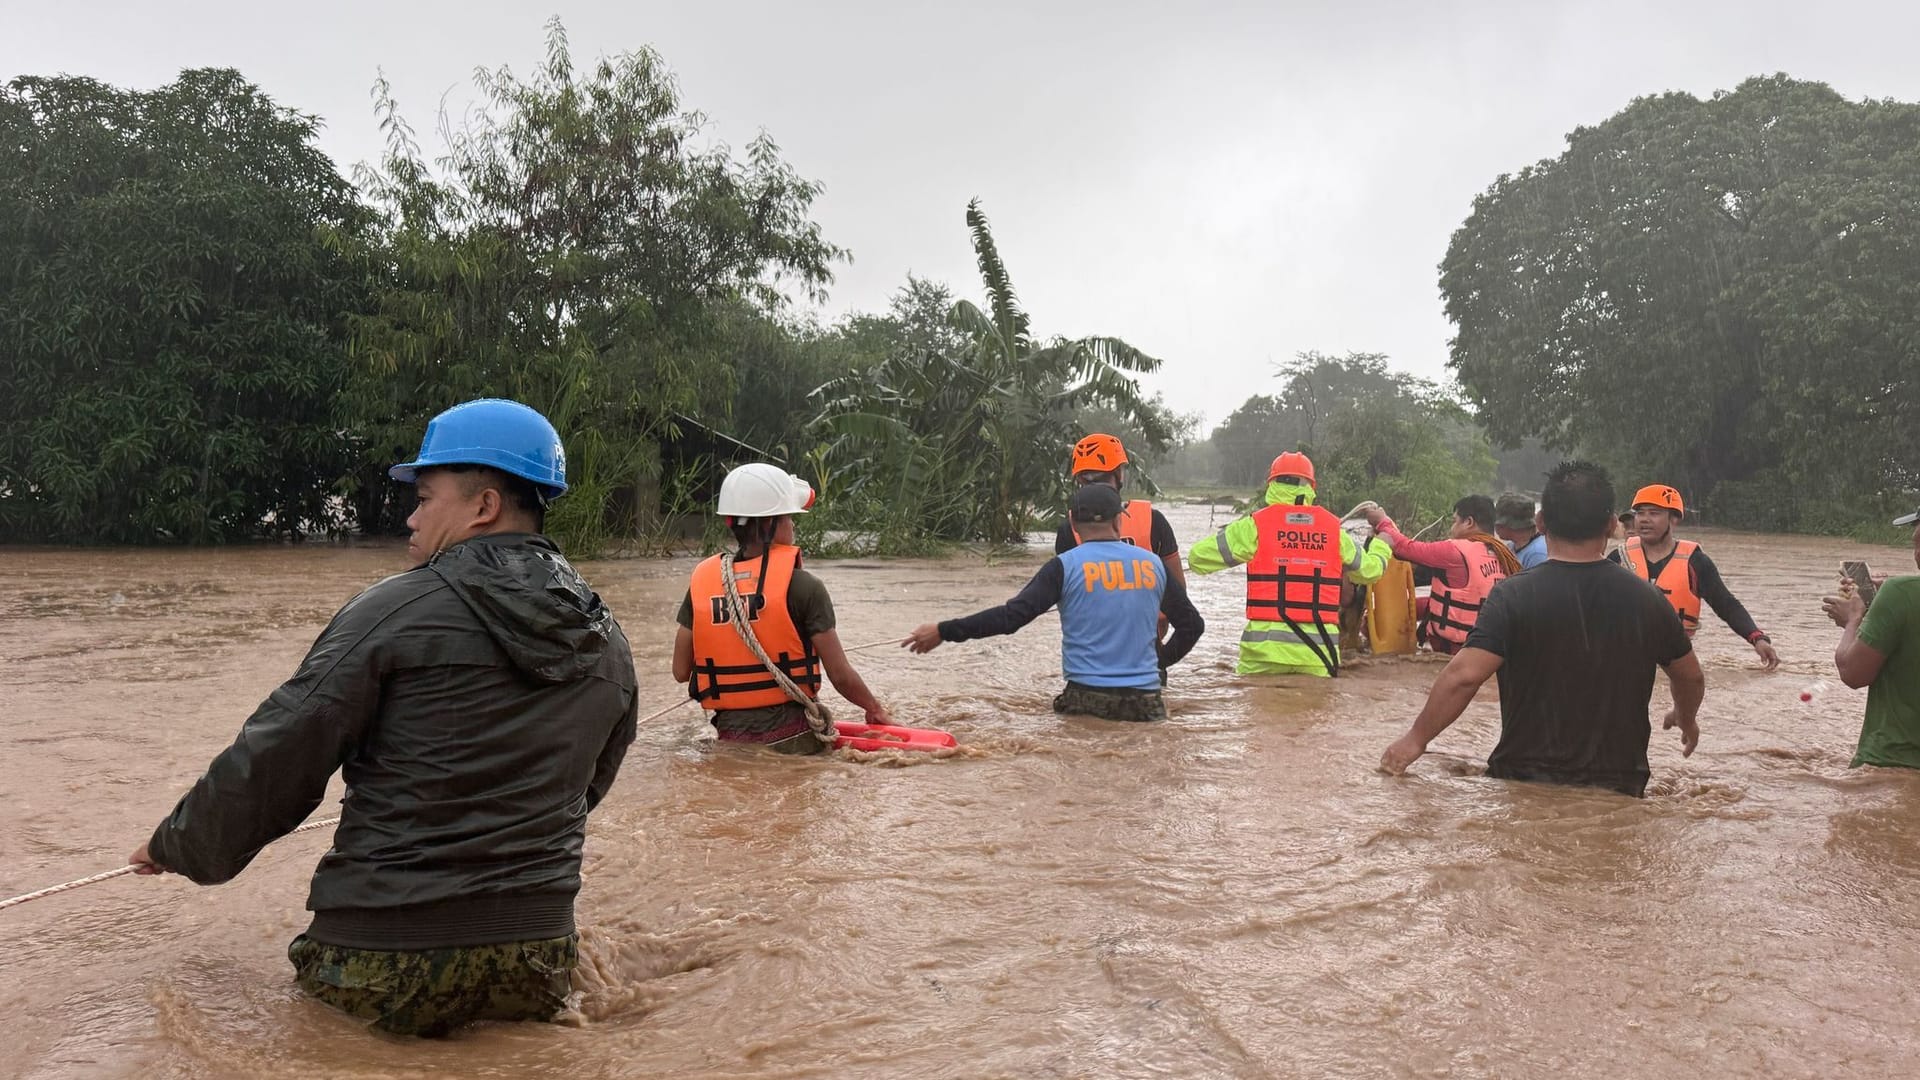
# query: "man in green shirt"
{"points": [[1880, 650]]}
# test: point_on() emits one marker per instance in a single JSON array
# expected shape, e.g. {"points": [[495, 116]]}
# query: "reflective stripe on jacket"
{"points": [[726, 674], [1269, 645]]}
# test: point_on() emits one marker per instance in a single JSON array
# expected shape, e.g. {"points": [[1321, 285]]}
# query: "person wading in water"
{"points": [[1682, 572], [1101, 459], [1466, 565], [1574, 642], [1111, 595], [1296, 554], [479, 706], [790, 614]]}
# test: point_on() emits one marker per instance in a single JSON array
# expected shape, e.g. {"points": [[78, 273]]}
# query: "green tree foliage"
{"points": [[1524, 467], [1316, 388], [1249, 439], [961, 433], [1320, 387], [1372, 432], [780, 362], [1148, 456], [171, 312], [1719, 294], [918, 320], [1413, 451], [580, 251]]}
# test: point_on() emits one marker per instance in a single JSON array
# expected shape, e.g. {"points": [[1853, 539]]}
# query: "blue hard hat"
{"points": [[497, 433]]}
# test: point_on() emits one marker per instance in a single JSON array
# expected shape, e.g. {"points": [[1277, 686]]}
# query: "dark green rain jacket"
{"points": [[478, 707]]}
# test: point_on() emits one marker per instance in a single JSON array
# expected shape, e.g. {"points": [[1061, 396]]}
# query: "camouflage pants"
{"points": [[1111, 703], [431, 992]]}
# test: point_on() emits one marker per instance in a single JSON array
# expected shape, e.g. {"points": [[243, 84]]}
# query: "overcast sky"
{"points": [[1223, 185]]}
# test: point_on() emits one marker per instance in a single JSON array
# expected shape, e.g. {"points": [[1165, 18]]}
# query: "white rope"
{"points": [[819, 720], [665, 711], [67, 886], [763, 659], [822, 727], [873, 645]]}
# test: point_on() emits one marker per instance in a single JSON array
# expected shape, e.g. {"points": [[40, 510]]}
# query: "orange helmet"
{"points": [[1662, 496], [1098, 453], [1293, 463]]}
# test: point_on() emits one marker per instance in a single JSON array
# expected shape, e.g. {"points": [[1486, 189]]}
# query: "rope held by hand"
{"points": [[68, 886]]}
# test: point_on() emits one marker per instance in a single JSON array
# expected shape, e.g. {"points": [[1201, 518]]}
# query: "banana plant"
{"points": [[974, 442]]}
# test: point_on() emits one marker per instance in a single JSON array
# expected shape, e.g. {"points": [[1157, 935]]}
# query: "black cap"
{"points": [[1095, 502]]}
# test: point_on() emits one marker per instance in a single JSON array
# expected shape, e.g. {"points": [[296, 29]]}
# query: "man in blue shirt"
{"points": [[1111, 595], [1513, 521]]}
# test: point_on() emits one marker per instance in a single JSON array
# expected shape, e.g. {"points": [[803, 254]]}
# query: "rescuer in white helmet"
{"points": [[790, 614]]}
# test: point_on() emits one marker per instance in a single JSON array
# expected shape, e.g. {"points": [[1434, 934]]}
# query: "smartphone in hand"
{"points": [[1856, 571]]}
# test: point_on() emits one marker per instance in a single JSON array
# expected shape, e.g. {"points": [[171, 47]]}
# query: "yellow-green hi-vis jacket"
{"points": [[1273, 648]]}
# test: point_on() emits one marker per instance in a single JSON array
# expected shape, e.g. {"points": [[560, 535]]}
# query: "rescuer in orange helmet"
{"points": [[1681, 571], [1100, 459], [1297, 555]]}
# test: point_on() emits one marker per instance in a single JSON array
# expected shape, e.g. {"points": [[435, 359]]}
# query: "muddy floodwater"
{"points": [[1235, 893]]}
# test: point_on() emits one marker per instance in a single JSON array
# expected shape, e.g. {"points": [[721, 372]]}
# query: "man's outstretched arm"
{"points": [[276, 772], [1040, 593], [1462, 678]]}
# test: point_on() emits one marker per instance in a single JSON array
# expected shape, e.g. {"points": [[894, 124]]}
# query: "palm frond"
{"points": [[993, 273]]}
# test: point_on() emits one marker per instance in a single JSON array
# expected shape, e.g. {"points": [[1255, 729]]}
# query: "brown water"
{"points": [[1235, 893]]}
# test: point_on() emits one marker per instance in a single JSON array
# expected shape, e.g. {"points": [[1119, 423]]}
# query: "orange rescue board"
{"points": [[889, 737]]}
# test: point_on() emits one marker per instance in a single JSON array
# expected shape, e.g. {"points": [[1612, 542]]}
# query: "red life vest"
{"points": [[726, 674], [1294, 575], [1675, 580], [1454, 611], [1136, 524]]}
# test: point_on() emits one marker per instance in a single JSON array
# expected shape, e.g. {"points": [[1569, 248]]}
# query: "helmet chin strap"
{"points": [[762, 531]]}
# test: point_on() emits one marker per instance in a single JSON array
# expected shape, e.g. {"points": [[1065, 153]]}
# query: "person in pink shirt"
{"points": [[1466, 565]]}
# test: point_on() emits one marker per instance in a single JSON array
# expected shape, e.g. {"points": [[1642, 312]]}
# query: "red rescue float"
{"points": [[889, 737]]}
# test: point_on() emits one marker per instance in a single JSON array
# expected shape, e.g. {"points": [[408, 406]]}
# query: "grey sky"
{"points": [[1222, 185]]}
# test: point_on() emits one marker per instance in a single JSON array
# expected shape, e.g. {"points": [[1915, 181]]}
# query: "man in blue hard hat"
{"points": [[479, 706]]}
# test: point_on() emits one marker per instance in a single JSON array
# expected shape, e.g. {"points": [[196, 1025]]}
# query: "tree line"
{"points": [[1717, 294], [210, 333]]}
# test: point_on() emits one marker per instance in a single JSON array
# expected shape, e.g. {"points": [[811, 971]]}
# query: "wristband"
{"points": [[1757, 637]]}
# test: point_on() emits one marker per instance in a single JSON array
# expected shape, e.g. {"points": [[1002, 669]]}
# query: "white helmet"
{"points": [[763, 491]]}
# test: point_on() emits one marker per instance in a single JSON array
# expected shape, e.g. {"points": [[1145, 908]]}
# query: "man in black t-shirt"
{"points": [[1574, 642]]}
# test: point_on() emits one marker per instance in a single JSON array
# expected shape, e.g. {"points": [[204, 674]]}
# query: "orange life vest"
{"points": [[726, 674], [1455, 611], [1136, 524], [1675, 581], [1294, 575]]}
